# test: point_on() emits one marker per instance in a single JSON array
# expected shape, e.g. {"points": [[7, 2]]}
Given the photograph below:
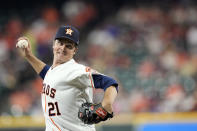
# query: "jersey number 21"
{"points": [[53, 109]]}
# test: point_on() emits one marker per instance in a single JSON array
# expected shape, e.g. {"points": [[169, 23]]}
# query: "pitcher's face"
{"points": [[63, 50]]}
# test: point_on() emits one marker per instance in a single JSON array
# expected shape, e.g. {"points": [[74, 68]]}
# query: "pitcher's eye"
{"points": [[70, 46]]}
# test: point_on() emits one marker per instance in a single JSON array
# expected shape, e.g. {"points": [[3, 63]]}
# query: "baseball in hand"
{"points": [[22, 43]]}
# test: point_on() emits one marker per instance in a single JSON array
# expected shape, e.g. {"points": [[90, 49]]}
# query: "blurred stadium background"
{"points": [[149, 46]]}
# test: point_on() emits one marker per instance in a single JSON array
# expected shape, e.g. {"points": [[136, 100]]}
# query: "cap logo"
{"points": [[69, 31]]}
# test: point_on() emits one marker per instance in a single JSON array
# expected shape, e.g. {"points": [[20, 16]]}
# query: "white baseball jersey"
{"points": [[65, 88]]}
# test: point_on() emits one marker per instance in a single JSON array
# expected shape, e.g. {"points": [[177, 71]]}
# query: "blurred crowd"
{"points": [[150, 50]]}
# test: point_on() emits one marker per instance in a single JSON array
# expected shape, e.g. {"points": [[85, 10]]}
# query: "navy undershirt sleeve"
{"points": [[44, 71], [103, 82]]}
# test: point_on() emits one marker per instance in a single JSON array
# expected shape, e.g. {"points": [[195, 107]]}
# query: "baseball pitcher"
{"points": [[67, 93]]}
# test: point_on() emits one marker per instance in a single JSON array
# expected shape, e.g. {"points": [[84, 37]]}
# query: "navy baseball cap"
{"points": [[68, 32]]}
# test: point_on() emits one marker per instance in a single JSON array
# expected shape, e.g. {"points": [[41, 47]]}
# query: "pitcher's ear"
{"points": [[76, 49]]}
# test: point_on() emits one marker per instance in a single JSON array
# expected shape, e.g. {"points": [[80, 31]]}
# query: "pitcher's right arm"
{"points": [[26, 53]]}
